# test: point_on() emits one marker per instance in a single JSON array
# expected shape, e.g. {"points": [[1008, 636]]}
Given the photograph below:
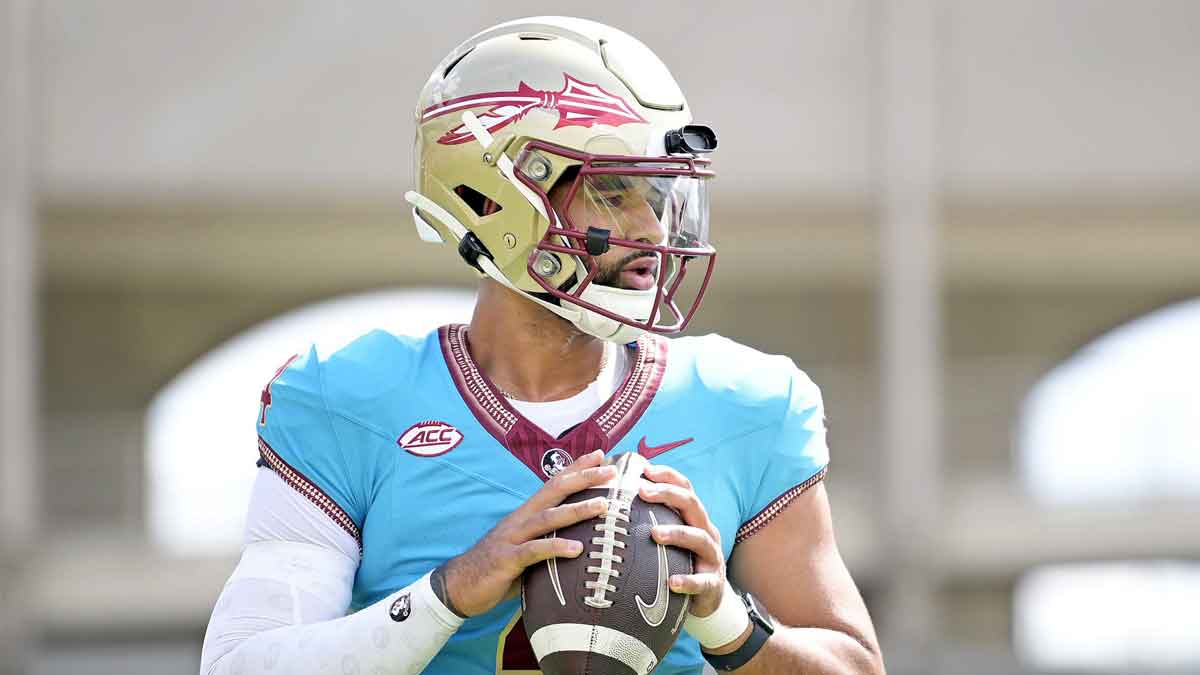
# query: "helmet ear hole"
{"points": [[475, 200]]}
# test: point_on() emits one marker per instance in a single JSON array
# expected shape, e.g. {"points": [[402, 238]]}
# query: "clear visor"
{"points": [[654, 207], [668, 211]]}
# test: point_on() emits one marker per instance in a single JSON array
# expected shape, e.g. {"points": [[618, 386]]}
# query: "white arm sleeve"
{"points": [[284, 608]]}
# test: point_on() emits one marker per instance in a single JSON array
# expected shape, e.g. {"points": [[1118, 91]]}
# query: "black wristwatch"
{"points": [[762, 626]]}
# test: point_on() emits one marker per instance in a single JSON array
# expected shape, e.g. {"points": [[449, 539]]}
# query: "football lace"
{"points": [[618, 510]]}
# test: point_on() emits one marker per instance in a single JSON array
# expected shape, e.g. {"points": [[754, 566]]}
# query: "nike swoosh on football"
{"points": [[655, 612], [648, 451], [553, 563]]}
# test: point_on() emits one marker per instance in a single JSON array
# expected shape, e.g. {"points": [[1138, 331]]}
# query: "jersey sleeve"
{"points": [[796, 458], [297, 439]]}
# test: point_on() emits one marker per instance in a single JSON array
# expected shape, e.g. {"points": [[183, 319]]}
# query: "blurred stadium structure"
{"points": [[929, 205]]}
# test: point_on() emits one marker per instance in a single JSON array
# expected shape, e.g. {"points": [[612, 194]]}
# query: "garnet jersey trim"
{"points": [[759, 521], [528, 442], [474, 387], [307, 488], [632, 399]]}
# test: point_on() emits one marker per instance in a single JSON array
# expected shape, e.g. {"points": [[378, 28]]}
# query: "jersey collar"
{"points": [[528, 442]]}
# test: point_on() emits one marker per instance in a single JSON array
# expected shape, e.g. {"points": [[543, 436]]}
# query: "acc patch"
{"points": [[430, 438]]}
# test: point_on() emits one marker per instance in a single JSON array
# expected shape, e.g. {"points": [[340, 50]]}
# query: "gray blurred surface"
{"points": [[19, 446], [201, 167], [149, 656], [1035, 99], [911, 439]]}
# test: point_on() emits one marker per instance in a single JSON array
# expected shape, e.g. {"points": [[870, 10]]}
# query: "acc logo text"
{"points": [[430, 438]]}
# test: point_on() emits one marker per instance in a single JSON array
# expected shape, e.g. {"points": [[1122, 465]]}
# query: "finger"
{"points": [[566, 484], [684, 501], [665, 474], [693, 539], [593, 458], [535, 551], [558, 517], [697, 584]]}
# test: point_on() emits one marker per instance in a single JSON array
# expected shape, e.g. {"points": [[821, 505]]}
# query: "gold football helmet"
{"points": [[544, 143]]}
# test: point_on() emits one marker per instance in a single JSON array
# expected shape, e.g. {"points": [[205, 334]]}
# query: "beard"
{"points": [[610, 275]]}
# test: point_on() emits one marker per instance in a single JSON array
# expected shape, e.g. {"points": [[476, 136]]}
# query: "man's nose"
{"points": [[646, 227]]}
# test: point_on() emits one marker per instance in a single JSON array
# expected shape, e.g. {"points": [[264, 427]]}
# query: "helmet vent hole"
{"points": [[455, 62], [535, 36], [476, 201]]}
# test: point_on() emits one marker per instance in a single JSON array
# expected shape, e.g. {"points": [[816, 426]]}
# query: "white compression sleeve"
{"points": [[398, 635], [283, 609], [278, 512]]}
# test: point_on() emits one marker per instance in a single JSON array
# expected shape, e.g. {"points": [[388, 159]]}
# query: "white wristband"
{"points": [[724, 625]]}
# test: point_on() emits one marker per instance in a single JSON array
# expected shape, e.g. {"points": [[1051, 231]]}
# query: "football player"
{"points": [[405, 483]]}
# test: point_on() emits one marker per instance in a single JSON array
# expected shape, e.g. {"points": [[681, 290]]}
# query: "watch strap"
{"points": [[736, 659]]}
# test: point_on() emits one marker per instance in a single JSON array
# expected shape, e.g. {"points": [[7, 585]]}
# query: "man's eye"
{"points": [[613, 200]]}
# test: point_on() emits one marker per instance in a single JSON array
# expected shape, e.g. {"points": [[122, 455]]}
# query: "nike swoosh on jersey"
{"points": [[650, 451], [655, 612]]}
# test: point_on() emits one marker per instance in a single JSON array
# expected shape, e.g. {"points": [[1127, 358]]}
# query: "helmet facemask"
{"points": [[631, 225]]}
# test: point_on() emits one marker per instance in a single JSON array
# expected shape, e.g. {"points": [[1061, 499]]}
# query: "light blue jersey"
{"points": [[410, 449]]}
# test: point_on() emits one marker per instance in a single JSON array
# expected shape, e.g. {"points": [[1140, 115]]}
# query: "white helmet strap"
{"points": [[484, 138], [422, 203]]}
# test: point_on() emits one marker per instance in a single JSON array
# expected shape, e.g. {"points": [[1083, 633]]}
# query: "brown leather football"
{"points": [[608, 611]]}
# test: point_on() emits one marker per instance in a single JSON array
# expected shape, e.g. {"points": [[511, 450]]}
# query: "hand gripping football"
{"points": [[608, 611]]}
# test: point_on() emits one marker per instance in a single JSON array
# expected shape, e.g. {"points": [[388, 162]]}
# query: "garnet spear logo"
{"points": [[578, 104]]}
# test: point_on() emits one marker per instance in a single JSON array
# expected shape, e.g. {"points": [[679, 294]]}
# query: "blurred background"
{"points": [[976, 224]]}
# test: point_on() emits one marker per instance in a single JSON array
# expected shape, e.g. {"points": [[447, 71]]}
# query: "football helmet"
{"points": [[543, 143]]}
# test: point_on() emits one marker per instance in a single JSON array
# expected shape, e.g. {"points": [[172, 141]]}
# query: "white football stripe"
{"points": [[578, 637]]}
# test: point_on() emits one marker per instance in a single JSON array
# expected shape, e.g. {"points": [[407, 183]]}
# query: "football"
{"points": [[608, 611]]}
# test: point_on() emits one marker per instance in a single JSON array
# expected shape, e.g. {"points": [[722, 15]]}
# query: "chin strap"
{"points": [[634, 304]]}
